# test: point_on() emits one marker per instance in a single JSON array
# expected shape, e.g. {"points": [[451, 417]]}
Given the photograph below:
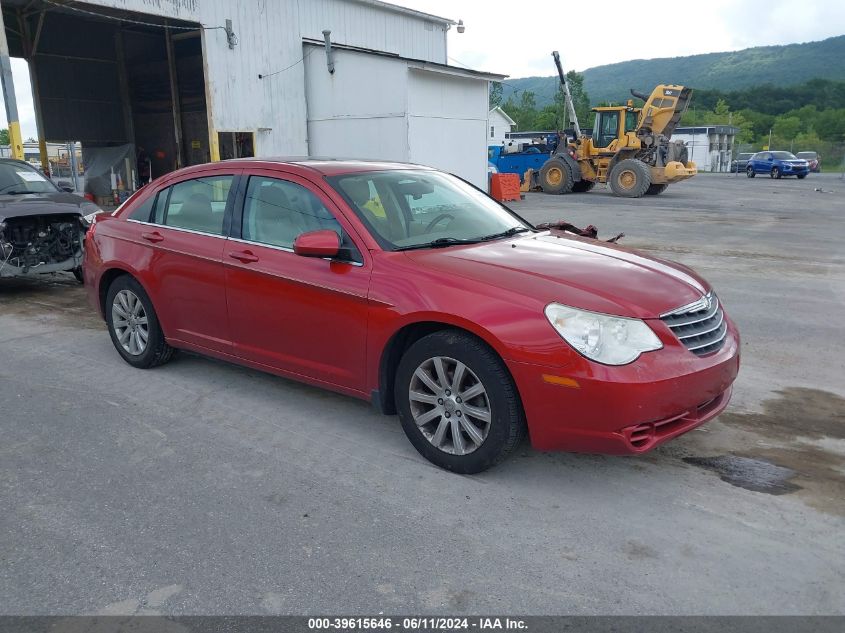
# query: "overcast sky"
{"points": [[516, 38]]}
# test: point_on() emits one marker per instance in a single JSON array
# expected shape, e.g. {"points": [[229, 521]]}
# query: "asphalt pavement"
{"points": [[206, 488]]}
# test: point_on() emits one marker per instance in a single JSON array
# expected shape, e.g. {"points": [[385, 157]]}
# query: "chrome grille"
{"points": [[700, 326]]}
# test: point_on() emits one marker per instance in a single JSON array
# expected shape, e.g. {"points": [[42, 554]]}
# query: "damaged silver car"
{"points": [[41, 226]]}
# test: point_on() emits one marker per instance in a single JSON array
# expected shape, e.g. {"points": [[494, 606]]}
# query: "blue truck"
{"points": [[521, 155]]}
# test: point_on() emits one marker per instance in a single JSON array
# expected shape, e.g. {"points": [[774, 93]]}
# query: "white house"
{"points": [[710, 146], [499, 124], [196, 80]]}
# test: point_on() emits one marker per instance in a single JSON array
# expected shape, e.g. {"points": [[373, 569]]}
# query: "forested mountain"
{"points": [[728, 72]]}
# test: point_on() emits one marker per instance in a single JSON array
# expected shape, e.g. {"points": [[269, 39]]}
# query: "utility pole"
{"points": [[15, 140]]}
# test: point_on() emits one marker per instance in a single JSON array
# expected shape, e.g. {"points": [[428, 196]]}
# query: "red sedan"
{"points": [[408, 287]]}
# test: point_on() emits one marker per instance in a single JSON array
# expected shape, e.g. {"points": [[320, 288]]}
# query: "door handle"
{"points": [[155, 236], [243, 256]]}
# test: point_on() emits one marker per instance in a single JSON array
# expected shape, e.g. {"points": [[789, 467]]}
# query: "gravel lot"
{"points": [[205, 488]]}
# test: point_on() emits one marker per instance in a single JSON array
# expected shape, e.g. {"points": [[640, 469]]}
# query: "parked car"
{"points": [[813, 159], [739, 163], [777, 165], [41, 226], [410, 288]]}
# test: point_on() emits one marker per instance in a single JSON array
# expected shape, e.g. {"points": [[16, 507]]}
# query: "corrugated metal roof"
{"points": [[414, 63], [404, 10]]}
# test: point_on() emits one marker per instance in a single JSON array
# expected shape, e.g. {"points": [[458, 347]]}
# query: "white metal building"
{"points": [[710, 146], [197, 80], [500, 125]]}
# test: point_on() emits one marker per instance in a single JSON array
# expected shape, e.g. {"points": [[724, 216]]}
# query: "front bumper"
{"points": [[789, 170], [7, 270], [592, 408]]}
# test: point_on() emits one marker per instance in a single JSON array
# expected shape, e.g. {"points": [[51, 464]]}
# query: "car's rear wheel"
{"points": [[749, 171], [775, 172], [133, 325], [77, 272], [457, 402]]}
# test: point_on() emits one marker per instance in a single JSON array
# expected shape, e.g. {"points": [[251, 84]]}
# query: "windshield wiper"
{"points": [[511, 231], [440, 242], [15, 193]]}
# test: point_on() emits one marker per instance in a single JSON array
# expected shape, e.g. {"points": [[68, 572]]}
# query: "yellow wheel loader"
{"points": [[630, 148]]}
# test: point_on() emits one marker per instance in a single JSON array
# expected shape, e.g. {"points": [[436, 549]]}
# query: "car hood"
{"points": [[579, 272], [51, 203]]}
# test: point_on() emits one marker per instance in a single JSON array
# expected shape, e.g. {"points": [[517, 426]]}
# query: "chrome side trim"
{"points": [[177, 228], [285, 249]]}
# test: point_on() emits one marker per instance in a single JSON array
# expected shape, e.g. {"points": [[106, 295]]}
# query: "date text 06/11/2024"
{"points": [[415, 624]]}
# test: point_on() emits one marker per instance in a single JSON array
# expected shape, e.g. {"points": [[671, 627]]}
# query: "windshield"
{"points": [[414, 208], [806, 154], [744, 156], [16, 177], [784, 155]]}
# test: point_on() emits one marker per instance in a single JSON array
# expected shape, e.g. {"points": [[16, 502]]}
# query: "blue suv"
{"points": [[777, 165]]}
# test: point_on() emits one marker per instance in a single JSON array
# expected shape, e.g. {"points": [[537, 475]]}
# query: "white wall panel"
{"points": [[447, 125]]}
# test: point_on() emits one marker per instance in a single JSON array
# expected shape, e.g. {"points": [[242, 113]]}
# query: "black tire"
{"points": [[801, 176], [506, 427], [775, 173], [655, 190], [556, 176], [583, 186], [630, 178], [77, 272], [157, 351], [749, 171]]}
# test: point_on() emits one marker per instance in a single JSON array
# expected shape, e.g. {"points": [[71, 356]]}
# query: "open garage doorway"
{"points": [[130, 87]]}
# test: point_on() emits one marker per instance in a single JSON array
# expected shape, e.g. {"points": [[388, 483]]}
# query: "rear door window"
{"points": [[196, 205]]}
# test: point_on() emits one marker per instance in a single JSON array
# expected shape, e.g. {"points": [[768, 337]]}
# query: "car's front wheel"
{"points": [[457, 402], [749, 171], [775, 173], [802, 176], [133, 325]]}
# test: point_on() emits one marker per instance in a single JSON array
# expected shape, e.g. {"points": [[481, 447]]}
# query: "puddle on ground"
{"points": [[749, 473], [794, 446]]}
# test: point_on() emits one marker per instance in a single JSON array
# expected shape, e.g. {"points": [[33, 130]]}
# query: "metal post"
{"points": [[74, 167], [174, 95], [30, 49], [15, 139]]}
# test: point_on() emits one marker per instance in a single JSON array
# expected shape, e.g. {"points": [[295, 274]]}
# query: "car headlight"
{"points": [[606, 339]]}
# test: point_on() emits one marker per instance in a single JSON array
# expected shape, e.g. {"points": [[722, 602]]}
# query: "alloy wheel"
{"points": [[129, 320], [450, 405]]}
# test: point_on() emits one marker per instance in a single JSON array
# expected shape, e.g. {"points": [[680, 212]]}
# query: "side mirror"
{"points": [[66, 188], [324, 243]]}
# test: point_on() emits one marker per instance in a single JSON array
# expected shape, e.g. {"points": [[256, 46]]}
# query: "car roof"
{"points": [[323, 166]]}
